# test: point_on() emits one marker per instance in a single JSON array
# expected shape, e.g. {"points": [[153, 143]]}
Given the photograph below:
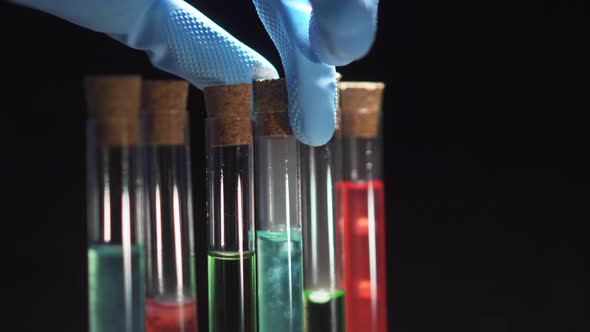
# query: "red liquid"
{"points": [[170, 317], [365, 294]]}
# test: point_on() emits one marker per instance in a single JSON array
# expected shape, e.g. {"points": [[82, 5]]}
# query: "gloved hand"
{"points": [[181, 40]]}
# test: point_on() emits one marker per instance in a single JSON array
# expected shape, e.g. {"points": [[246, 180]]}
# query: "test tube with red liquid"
{"points": [[170, 302], [363, 216]]}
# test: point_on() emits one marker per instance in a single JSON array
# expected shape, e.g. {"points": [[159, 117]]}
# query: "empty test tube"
{"points": [[170, 304], [363, 215], [231, 258], [321, 170], [115, 205], [278, 219]]}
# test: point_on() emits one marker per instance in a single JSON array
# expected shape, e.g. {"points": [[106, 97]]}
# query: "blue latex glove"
{"points": [[181, 40]]}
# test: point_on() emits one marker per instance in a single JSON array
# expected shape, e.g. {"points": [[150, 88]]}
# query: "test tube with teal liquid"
{"points": [[115, 205], [278, 218]]}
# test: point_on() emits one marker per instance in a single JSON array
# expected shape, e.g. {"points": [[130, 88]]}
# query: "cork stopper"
{"points": [[272, 108], [114, 102], [228, 101], [228, 114], [164, 106], [361, 108]]}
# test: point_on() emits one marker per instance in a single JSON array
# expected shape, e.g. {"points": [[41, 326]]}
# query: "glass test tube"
{"points": [[363, 217], [321, 169], [115, 205], [278, 220], [170, 262], [230, 204]]}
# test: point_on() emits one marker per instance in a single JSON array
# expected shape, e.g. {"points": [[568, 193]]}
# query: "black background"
{"points": [[486, 210]]}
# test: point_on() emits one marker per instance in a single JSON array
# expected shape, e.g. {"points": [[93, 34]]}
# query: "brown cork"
{"points": [[164, 106], [361, 108], [114, 102], [228, 131], [225, 101], [228, 114], [272, 108]]}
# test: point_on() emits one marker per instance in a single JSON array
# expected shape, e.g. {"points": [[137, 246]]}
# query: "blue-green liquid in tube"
{"points": [[115, 289], [280, 283]]}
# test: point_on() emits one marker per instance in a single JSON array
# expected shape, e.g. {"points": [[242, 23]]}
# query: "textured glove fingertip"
{"points": [[321, 48], [340, 34], [316, 131], [312, 105], [311, 84]]}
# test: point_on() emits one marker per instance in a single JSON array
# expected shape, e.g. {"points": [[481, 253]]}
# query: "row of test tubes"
{"points": [[295, 233]]}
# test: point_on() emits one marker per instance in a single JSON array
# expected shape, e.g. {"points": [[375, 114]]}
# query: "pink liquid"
{"points": [[170, 317], [365, 260]]}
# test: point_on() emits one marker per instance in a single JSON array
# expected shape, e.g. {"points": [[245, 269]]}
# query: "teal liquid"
{"points": [[232, 292], [115, 298], [280, 283], [324, 311]]}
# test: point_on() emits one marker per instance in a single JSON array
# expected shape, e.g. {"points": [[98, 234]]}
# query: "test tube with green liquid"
{"points": [[230, 195], [321, 169], [115, 205], [278, 219]]}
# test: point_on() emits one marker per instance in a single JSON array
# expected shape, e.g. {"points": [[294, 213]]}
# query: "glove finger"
{"points": [[181, 40], [311, 84], [177, 37], [342, 31]]}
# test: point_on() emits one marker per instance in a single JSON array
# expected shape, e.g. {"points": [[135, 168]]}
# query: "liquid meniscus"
{"points": [[324, 311]]}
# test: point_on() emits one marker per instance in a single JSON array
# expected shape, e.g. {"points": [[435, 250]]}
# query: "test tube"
{"points": [[170, 262], [363, 215], [278, 219], [321, 169], [231, 259], [115, 205]]}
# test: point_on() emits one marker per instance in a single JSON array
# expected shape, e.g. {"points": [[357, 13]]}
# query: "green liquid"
{"points": [[324, 311], [232, 292], [280, 283], [115, 296]]}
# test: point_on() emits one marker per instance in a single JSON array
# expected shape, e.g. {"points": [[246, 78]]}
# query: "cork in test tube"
{"points": [[115, 205], [170, 263], [363, 215], [321, 169], [278, 217], [230, 206]]}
